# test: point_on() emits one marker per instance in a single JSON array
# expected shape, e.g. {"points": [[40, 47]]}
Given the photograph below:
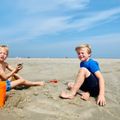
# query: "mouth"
{"points": [[81, 57]]}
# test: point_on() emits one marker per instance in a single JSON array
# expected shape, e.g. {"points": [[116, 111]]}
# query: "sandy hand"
{"points": [[18, 67]]}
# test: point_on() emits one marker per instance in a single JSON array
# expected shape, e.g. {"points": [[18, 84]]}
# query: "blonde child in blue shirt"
{"points": [[89, 78]]}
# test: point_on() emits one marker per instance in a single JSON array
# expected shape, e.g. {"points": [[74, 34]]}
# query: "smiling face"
{"points": [[83, 54], [3, 54]]}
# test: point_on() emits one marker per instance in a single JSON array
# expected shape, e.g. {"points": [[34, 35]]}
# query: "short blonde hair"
{"points": [[84, 46], [5, 47]]}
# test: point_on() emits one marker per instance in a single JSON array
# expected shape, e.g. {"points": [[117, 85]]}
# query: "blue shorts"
{"points": [[91, 85], [8, 85]]}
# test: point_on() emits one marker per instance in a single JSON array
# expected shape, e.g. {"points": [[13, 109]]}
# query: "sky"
{"points": [[53, 28]]}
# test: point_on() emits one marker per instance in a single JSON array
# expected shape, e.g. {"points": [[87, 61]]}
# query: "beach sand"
{"points": [[43, 103]]}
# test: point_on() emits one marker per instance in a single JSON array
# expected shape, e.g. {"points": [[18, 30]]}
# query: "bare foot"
{"points": [[85, 95], [66, 95], [70, 85], [41, 83]]}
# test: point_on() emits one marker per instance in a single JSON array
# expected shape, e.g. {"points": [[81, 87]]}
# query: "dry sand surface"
{"points": [[43, 103]]}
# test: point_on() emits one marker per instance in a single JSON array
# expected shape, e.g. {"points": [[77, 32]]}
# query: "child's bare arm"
{"points": [[10, 68], [8, 75], [101, 97]]}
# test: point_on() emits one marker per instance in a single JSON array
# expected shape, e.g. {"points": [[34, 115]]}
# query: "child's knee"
{"points": [[84, 71], [22, 80]]}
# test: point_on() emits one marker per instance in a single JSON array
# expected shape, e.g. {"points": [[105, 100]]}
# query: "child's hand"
{"points": [[18, 67], [101, 100]]}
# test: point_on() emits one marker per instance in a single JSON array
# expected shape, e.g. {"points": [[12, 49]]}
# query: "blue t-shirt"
{"points": [[91, 65]]}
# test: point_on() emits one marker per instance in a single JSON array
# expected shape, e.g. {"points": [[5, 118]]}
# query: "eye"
{"points": [[78, 54], [5, 53]]}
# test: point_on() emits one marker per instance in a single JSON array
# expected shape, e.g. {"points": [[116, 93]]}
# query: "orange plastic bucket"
{"points": [[2, 93]]}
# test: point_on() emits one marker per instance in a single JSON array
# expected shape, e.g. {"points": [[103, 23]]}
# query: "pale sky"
{"points": [[53, 28]]}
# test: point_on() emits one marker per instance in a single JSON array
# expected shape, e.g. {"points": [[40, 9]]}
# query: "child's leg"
{"points": [[31, 83], [17, 82], [82, 74], [25, 82]]}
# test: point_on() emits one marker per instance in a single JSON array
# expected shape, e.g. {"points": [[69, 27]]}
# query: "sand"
{"points": [[43, 103]]}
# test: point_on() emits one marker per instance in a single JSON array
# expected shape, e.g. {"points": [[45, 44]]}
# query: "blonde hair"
{"points": [[5, 47], [84, 46]]}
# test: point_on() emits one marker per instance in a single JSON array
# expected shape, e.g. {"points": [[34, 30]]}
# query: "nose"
{"points": [[79, 55]]}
